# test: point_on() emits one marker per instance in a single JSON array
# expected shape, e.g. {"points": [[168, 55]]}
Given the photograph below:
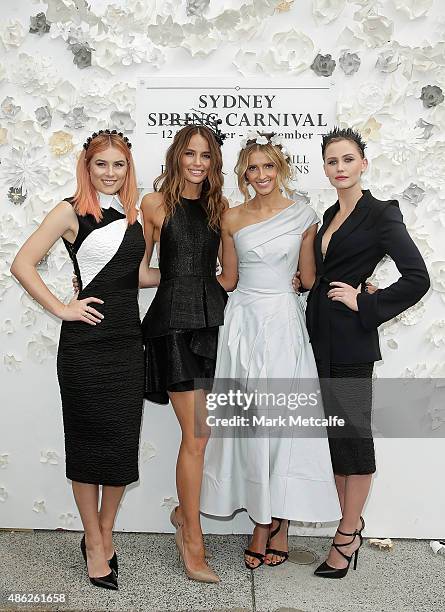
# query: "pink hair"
{"points": [[85, 199]]}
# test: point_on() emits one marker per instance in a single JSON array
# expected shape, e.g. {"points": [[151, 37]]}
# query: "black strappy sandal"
{"points": [[252, 553], [273, 551], [326, 571]]}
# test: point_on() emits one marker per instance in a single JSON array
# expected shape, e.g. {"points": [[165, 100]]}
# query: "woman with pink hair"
{"points": [[100, 362]]}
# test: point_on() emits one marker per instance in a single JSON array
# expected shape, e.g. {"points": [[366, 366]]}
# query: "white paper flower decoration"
{"points": [[4, 460], [39, 506], [326, 11], [3, 495], [41, 347], [169, 502], [67, 519], [25, 168], [8, 327], [49, 456], [148, 451], [437, 272], [377, 29], [291, 51], [12, 33], [34, 74], [412, 315], [436, 333], [413, 8]]}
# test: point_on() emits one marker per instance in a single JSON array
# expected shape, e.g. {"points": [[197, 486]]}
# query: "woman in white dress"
{"points": [[264, 336]]}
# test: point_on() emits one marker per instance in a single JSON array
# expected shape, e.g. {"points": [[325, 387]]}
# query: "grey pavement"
{"points": [[410, 578]]}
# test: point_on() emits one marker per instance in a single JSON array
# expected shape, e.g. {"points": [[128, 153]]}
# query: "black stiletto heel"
{"points": [[273, 551], [113, 564], [326, 571], [106, 582]]}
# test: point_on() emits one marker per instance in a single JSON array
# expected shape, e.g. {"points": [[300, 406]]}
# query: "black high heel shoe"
{"points": [[106, 582], [273, 551], [326, 571], [113, 564]]}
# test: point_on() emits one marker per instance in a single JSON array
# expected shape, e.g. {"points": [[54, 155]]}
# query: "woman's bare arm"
{"points": [[61, 221], [229, 275], [306, 262]]}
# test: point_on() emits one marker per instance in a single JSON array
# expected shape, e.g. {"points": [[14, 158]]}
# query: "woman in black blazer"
{"points": [[356, 233]]}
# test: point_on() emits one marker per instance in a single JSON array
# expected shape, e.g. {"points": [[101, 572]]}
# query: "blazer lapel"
{"points": [[357, 217], [319, 237]]}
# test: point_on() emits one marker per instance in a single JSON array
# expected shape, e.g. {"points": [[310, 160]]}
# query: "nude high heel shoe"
{"points": [[176, 524], [204, 575]]}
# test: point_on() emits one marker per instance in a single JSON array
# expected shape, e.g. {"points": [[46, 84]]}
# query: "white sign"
{"points": [[301, 114]]}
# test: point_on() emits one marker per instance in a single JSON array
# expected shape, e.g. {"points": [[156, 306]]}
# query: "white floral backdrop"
{"points": [[68, 68]]}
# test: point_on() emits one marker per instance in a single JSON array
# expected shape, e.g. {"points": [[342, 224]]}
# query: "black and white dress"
{"points": [[101, 368]]}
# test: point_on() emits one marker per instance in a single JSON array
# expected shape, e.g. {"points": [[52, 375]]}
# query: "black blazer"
{"points": [[374, 229]]}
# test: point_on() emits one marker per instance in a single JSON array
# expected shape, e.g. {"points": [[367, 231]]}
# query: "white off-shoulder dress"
{"points": [[264, 337]]}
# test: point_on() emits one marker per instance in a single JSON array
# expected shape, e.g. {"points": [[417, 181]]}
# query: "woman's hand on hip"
{"points": [[342, 292], [80, 310]]}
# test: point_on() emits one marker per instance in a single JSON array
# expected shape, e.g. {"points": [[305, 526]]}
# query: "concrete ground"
{"points": [[410, 578]]}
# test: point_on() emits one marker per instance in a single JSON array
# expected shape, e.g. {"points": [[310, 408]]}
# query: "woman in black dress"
{"points": [[100, 362], [180, 328], [356, 233]]}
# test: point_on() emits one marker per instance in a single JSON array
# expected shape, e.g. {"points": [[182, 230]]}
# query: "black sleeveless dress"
{"points": [[101, 368], [180, 328]]}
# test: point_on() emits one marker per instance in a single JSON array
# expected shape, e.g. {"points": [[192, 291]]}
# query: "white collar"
{"points": [[110, 201]]}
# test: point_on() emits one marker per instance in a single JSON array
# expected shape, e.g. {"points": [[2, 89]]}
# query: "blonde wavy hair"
{"points": [[274, 153], [172, 182]]}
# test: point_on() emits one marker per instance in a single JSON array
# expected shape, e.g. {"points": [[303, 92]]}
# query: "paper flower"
{"points": [[26, 134], [195, 8], [39, 24], [436, 333], [414, 194], [41, 347], [76, 119], [82, 54], [123, 96], [67, 519], [377, 29], [169, 502], [325, 11], [49, 456], [413, 8], [428, 128], [12, 34], [200, 39], [148, 451], [371, 129], [431, 96], [323, 65], [8, 327], [25, 168], [166, 33], [388, 61], [122, 121], [62, 173], [44, 116], [16, 195], [9, 109], [291, 51], [4, 460], [12, 364], [61, 143], [412, 315], [3, 495], [34, 74], [28, 318], [437, 273], [227, 21], [349, 62], [39, 506]]}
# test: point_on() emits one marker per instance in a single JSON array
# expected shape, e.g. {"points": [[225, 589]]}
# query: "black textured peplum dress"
{"points": [[101, 368], [180, 329]]}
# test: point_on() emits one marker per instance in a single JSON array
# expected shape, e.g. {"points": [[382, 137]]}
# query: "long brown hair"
{"points": [[275, 154], [172, 182], [86, 201]]}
